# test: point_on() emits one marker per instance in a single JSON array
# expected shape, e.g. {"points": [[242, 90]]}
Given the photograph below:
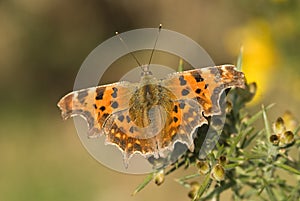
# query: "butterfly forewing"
{"points": [[96, 104], [204, 85]]}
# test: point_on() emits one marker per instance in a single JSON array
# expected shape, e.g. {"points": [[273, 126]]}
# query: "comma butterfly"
{"points": [[149, 117]]}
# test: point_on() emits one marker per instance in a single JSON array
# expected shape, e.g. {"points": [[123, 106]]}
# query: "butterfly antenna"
{"points": [[159, 29], [122, 41]]}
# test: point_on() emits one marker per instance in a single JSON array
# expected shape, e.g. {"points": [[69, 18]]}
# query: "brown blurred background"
{"points": [[43, 43]]}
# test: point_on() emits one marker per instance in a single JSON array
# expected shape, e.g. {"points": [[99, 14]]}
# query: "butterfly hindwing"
{"points": [[181, 125], [122, 132]]}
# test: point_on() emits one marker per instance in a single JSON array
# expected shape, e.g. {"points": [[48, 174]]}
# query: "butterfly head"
{"points": [[145, 70], [146, 75]]}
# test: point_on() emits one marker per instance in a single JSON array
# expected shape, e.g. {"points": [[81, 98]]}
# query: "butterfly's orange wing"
{"points": [[205, 85], [197, 92], [105, 109], [96, 104]]}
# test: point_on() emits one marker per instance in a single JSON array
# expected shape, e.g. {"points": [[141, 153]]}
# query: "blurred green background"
{"points": [[43, 43]]}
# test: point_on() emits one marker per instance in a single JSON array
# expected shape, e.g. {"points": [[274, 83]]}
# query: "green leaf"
{"points": [[180, 66], [266, 121], [240, 59], [144, 183], [287, 168], [203, 187], [187, 177], [253, 156]]}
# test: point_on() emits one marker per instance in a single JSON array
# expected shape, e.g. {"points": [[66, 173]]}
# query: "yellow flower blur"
{"points": [[258, 53]]}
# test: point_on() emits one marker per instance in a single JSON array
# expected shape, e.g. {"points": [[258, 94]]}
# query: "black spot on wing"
{"points": [[121, 118], [197, 76], [175, 119], [181, 105], [175, 109], [114, 105], [127, 119], [114, 94], [198, 91], [100, 92], [102, 108], [182, 80], [131, 129], [185, 92]]}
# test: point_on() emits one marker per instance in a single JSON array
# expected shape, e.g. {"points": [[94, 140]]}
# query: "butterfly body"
{"points": [[149, 117]]}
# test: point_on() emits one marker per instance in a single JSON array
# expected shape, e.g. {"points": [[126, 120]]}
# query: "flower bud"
{"points": [[252, 88], [291, 123], [159, 178], [287, 138], [222, 160], [274, 139], [279, 126], [218, 172], [203, 167], [194, 189]]}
